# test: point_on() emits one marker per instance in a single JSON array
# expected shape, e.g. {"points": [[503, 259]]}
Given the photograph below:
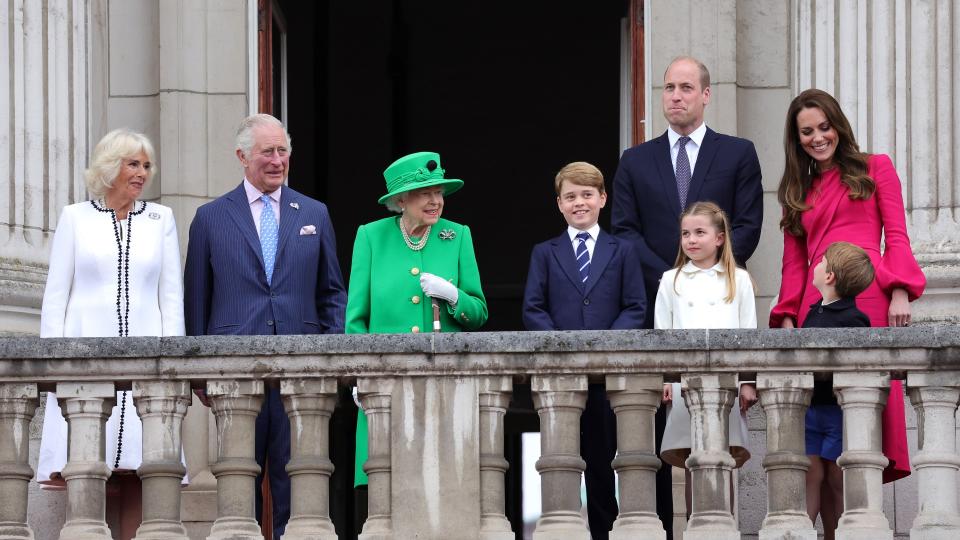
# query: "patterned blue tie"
{"points": [[268, 237], [683, 172], [583, 256]]}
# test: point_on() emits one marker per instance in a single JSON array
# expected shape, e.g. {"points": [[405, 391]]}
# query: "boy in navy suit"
{"points": [[844, 272], [586, 279]]}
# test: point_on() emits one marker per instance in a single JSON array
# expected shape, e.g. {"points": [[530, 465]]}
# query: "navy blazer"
{"points": [[646, 205], [613, 298], [225, 285]]}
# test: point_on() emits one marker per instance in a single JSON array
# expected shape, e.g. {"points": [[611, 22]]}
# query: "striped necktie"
{"points": [[583, 256], [268, 237]]}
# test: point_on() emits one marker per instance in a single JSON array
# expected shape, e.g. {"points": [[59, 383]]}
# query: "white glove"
{"points": [[437, 287]]}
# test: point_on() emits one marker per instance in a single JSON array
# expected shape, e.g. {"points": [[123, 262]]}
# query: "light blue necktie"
{"points": [[583, 256], [268, 237]]}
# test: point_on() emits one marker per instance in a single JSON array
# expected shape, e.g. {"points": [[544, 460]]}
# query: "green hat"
{"points": [[416, 171]]}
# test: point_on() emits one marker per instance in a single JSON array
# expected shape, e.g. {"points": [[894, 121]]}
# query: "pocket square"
{"points": [[308, 229]]}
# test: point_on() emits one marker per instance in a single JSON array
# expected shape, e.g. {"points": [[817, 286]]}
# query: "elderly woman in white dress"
{"points": [[114, 271]]}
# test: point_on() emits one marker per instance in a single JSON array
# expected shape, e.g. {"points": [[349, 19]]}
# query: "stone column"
{"points": [[18, 403], [635, 399], [236, 405], [862, 396], [709, 398], [560, 400], [785, 398], [86, 406], [935, 397], [375, 397], [43, 91], [309, 404], [494, 399], [162, 406]]}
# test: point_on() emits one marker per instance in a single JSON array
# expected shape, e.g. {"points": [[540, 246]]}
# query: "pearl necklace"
{"points": [[410, 244], [123, 283]]}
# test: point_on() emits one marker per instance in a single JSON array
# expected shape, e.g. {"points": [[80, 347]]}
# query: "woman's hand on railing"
{"points": [[899, 312], [787, 323]]}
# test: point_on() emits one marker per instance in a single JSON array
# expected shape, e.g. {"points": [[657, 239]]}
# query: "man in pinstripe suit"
{"points": [[262, 260]]}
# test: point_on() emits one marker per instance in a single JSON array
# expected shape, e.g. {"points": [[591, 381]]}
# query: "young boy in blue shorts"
{"points": [[844, 272]]}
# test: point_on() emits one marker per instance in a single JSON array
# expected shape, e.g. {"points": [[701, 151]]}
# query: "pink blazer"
{"points": [[833, 217]]}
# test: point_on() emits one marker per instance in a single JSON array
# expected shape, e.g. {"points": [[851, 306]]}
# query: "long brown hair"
{"points": [[718, 218], [800, 169]]}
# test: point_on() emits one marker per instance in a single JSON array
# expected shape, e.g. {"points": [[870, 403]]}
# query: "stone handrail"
{"points": [[464, 382]]}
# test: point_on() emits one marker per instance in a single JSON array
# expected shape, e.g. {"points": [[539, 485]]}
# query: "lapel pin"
{"points": [[154, 215], [447, 234], [295, 206]]}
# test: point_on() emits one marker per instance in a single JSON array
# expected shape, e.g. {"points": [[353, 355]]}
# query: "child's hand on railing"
{"points": [[748, 396], [667, 394]]}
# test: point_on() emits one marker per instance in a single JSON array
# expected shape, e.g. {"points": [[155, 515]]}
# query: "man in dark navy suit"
{"points": [[262, 261], [656, 180]]}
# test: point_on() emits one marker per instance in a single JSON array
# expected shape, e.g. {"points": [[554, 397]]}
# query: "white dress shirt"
{"points": [[591, 242], [693, 147], [256, 205]]}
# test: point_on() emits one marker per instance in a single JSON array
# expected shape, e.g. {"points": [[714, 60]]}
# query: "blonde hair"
{"points": [[718, 218], [852, 267], [108, 157], [580, 173]]}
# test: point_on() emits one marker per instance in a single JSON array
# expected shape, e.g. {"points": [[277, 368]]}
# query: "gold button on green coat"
{"points": [[381, 270]]}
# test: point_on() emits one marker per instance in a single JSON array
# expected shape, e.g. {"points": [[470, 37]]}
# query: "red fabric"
{"points": [[833, 217]]}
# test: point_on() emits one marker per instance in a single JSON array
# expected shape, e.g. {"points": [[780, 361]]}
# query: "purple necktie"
{"points": [[683, 172]]}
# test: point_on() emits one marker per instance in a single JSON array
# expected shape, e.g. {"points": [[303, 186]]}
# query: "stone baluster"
{"points": [[709, 398], [862, 396], [635, 399], [560, 400], [375, 397], [494, 399], [86, 406], [236, 405], [18, 403], [785, 398], [935, 397], [162, 406], [309, 404]]}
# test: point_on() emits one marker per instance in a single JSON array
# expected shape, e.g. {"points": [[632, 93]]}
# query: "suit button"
{"points": [[415, 299], [415, 329], [269, 323], [819, 310], [415, 271], [586, 301]]}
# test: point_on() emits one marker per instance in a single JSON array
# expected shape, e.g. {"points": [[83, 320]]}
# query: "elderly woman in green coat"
{"points": [[404, 264]]}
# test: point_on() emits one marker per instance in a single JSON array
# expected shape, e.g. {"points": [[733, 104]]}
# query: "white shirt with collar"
{"points": [[693, 147], [591, 242], [256, 205], [697, 301]]}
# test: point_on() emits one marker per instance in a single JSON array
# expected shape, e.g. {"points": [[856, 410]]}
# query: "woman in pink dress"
{"points": [[830, 191]]}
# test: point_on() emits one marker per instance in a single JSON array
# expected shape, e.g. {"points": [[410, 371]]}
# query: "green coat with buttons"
{"points": [[385, 296]]}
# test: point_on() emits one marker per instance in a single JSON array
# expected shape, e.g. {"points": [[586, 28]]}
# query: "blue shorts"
{"points": [[824, 432]]}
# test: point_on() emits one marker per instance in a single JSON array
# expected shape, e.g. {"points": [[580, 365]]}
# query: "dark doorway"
{"points": [[506, 92]]}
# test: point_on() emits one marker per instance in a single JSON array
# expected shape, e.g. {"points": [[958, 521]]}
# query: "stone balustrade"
{"points": [[435, 406]]}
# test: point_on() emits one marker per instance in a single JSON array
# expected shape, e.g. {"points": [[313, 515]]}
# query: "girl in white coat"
{"points": [[705, 289]]}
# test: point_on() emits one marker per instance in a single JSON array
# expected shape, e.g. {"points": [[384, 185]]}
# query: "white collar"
{"points": [[690, 268], [254, 194], [594, 232], [697, 135]]}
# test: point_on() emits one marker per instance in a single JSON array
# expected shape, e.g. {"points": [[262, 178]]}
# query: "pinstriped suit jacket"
{"points": [[225, 286]]}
